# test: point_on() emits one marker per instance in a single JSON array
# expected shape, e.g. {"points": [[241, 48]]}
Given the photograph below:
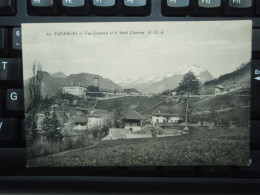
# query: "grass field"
{"points": [[201, 146]]}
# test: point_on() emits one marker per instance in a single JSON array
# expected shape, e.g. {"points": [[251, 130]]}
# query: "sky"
{"points": [[219, 47]]}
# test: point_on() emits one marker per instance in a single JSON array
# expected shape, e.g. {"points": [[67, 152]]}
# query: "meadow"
{"points": [[202, 146]]}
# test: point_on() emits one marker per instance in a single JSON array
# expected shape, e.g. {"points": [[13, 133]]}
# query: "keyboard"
{"points": [[12, 128]]}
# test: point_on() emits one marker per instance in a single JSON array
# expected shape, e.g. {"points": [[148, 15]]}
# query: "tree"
{"points": [[190, 84], [51, 128], [35, 84]]}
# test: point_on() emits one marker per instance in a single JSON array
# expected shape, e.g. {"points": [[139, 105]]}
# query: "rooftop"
{"points": [[133, 115], [98, 113], [80, 120]]}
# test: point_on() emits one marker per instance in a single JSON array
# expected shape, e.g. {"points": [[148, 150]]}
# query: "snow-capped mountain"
{"points": [[165, 80]]}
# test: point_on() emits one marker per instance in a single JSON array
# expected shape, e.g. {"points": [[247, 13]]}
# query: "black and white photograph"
{"points": [[137, 93]]}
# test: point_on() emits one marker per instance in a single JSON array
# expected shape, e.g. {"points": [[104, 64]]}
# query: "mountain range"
{"points": [[163, 81]]}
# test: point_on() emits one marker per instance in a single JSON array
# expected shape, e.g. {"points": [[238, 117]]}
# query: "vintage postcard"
{"points": [[137, 93]]}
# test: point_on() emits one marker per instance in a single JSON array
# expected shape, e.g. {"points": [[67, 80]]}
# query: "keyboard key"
{"points": [[42, 3], [17, 41], [137, 7], [7, 7], [239, 8], [255, 135], [258, 8], [176, 7], [104, 3], [256, 44], [8, 128], [240, 3], [178, 3], [9, 69], [135, 3], [208, 8], [3, 42], [255, 93], [15, 100], [105, 7], [75, 7], [1, 103], [73, 3], [42, 7], [209, 3]]}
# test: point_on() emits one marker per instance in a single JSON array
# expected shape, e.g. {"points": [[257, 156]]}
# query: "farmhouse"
{"points": [[97, 117], [219, 90], [80, 123], [163, 116], [132, 120], [74, 90]]}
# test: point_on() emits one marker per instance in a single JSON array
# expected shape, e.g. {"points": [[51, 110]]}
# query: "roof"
{"points": [[163, 114], [98, 113], [162, 110], [133, 115], [80, 120]]}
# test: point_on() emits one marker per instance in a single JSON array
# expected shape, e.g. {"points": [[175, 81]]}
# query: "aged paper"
{"points": [[137, 93]]}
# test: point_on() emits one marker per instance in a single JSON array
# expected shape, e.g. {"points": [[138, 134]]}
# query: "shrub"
{"points": [[160, 132]]}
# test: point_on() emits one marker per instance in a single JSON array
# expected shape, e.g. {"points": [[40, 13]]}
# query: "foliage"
{"points": [[44, 147], [35, 84], [190, 84], [51, 128]]}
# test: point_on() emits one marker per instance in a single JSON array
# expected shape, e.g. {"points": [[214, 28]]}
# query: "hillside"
{"points": [[239, 77], [125, 103], [52, 84]]}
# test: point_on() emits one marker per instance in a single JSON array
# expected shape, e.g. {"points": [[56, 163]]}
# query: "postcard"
{"points": [[137, 93]]}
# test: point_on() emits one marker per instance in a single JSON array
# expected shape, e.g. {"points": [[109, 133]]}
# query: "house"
{"points": [[132, 120], [74, 90], [131, 91], [98, 117], [219, 90], [163, 116], [80, 123]]}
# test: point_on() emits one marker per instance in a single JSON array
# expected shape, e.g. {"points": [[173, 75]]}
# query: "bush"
{"points": [[160, 132], [42, 148]]}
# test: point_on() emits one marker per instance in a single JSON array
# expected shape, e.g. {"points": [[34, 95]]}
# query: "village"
{"points": [[76, 117]]}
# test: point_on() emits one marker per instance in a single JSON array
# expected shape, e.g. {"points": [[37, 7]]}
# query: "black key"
{"points": [[176, 7], [255, 92], [255, 135], [258, 8], [8, 131], [22, 133], [42, 7], [15, 100], [105, 7], [17, 41], [9, 69], [12, 158], [1, 103], [137, 7], [256, 44], [3, 42], [7, 7], [208, 8], [75, 7], [252, 171], [223, 172], [239, 8]]}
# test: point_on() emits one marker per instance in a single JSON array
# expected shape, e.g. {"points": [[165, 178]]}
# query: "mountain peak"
{"points": [[59, 74]]}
